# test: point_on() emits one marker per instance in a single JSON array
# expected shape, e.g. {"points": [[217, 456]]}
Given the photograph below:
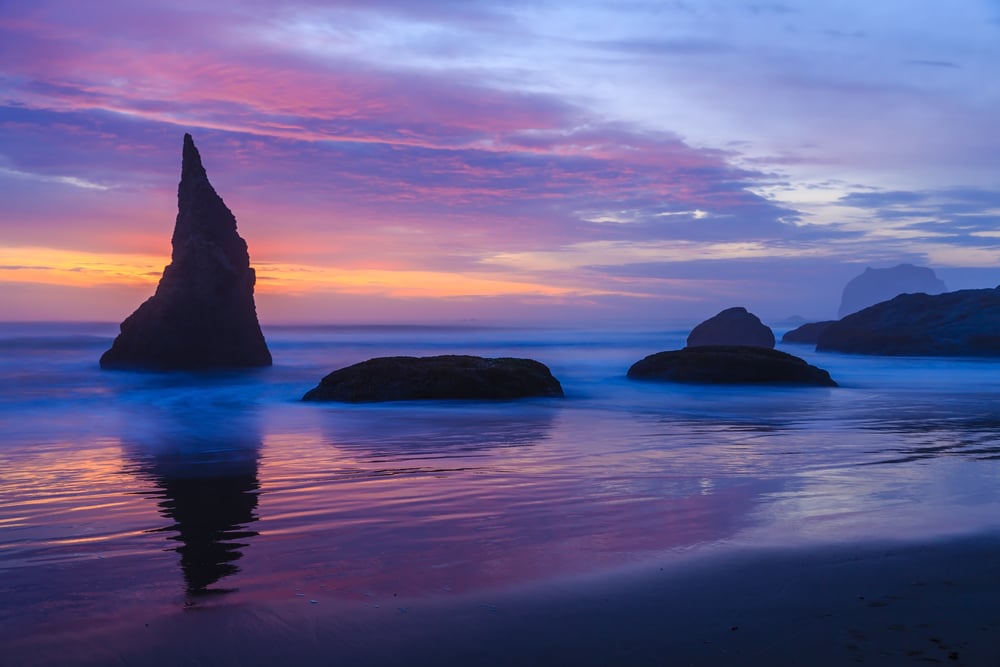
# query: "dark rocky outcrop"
{"points": [[730, 364], [733, 326], [962, 323], [807, 333], [202, 314], [877, 285], [442, 377]]}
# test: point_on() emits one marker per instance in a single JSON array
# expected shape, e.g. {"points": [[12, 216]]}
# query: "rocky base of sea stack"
{"points": [[730, 364], [436, 378]]}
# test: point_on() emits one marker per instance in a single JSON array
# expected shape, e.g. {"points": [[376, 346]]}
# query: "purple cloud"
{"points": [[484, 137]]}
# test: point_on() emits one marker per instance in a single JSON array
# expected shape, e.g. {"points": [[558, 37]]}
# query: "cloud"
{"points": [[437, 148], [947, 64], [959, 225], [516, 148], [778, 8], [66, 180], [882, 199], [662, 47]]}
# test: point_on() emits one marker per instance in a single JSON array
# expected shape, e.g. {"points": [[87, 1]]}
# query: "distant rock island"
{"points": [[877, 285], [202, 314], [962, 323], [436, 378], [733, 326], [730, 364], [807, 333]]}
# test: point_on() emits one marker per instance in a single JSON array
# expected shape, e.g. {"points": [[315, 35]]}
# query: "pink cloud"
{"points": [[333, 162]]}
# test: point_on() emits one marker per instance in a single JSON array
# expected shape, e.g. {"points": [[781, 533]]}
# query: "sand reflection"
{"points": [[420, 500], [204, 465]]}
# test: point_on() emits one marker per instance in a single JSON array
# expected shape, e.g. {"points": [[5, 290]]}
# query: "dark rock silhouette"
{"points": [[807, 333], [733, 326], [442, 377], [202, 462], [211, 516], [877, 285], [962, 323], [202, 314], [729, 364]]}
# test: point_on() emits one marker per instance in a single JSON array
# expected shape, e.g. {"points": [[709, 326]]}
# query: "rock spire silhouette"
{"points": [[202, 314]]}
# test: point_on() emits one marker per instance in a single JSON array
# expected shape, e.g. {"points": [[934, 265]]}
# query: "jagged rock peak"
{"points": [[202, 314], [191, 166], [202, 216]]}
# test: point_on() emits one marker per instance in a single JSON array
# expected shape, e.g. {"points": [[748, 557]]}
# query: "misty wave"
{"points": [[224, 483]]}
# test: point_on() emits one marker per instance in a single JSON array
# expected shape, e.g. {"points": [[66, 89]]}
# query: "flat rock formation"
{"points": [[730, 364], [733, 326], [436, 378], [877, 285], [202, 314], [807, 333], [962, 323]]}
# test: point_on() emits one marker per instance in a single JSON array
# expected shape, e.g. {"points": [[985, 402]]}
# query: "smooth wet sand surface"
{"points": [[891, 604]]}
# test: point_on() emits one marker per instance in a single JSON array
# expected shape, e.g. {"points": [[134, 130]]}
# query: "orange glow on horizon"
{"points": [[74, 268], [281, 278], [85, 269]]}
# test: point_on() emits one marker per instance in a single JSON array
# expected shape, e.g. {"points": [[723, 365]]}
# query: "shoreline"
{"points": [[885, 604]]}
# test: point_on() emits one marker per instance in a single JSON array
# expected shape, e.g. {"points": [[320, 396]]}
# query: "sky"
{"points": [[440, 161]]}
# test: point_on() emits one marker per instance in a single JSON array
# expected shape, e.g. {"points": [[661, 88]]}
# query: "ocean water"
{"points": [[127, 494]]}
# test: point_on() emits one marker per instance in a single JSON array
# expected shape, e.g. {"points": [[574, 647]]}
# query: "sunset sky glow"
{"points": [[452, 160]]}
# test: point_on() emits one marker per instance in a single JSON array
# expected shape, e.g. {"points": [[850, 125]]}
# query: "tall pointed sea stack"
{"points": [[202, 314]]}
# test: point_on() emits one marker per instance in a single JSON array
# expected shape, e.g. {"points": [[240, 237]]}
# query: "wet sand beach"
{"points": [[888, 604], [215, 520]]}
